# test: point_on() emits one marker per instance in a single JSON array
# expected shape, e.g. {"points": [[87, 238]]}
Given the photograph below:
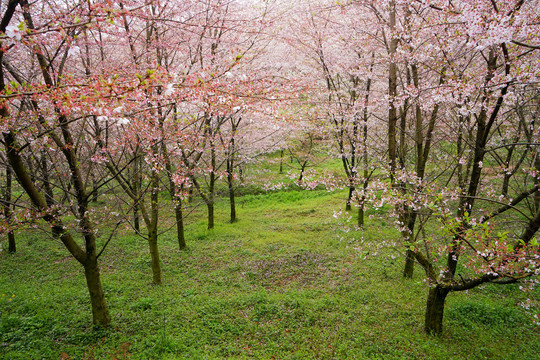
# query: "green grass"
{"points": [[284, 282]]}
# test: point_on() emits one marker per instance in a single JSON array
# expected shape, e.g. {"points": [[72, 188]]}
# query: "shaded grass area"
{"points": [[284, 282]]}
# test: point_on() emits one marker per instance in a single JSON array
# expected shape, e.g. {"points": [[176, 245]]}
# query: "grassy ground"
{"points": [[283, 283]]}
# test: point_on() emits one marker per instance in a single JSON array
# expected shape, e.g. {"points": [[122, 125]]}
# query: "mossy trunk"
{"points": [[361, 216], [435, 310], [100, 311], [408, 270]]}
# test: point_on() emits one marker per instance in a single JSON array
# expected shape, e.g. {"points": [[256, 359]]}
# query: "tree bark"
{"points": [[100, 311], [230, 181], [154, 254], [136, 179], [12, 247], [349, 198], [537, 182], [281, 162], [152, 225], [95, 191], [180, 224], [408, 270], [210, 206], [361, 216], [435, 310], [49, 196]]}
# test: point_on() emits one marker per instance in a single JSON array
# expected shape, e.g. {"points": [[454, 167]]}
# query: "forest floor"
{"points": [[284, 282]]}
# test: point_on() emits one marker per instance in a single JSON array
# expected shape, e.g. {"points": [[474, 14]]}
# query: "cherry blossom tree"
{"points": [[483, 54], [44, 118]]}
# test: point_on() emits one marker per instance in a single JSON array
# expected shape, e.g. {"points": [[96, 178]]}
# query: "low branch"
{"points": [[109, 239], [513, 203], [530, 46]]}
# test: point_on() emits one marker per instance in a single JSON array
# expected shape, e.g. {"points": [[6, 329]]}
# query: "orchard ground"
{"points": [[284, 282]]}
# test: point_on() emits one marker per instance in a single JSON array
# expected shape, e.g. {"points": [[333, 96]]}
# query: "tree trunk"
{"points": [[180, 225], [136, 178], [100, 311], [190, 195], [7, 209], [230, 181], [12, 246], [281, 162], [210, 206], [232, 198], [537, 182], [361, 215], [154, 253], [153, 228], [136, 223], [435, 310], [392, 93], [95, 191], [408, 271], [349, 198], [46, 180], [506, 184]]}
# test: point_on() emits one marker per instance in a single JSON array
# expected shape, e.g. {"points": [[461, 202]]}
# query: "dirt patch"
{"points": [[304, 268]]}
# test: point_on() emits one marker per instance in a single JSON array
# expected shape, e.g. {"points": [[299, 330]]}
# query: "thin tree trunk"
{"points": [[190, 195], [365, 162], [537, 182], [49, 197], [180, 224], [506, 184], [211, 187], [154, 254], [230, 181], [349, 198], [392, 93], [230, 168], [210, 207], [177, 200], [435, 310], [95, 191], [12, 247], [408, 270], [281, 162], [136, 178], [153, 229]]}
